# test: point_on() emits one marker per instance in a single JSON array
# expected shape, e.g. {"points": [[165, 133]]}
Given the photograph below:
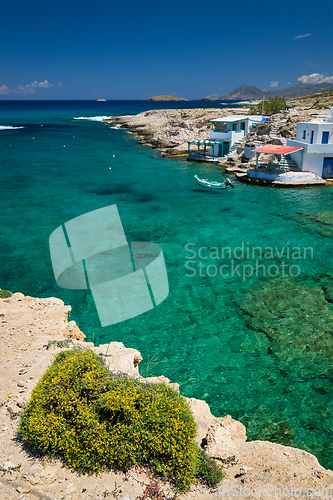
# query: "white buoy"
{"points": [[64, 146], [114, 156], [109, 168]]}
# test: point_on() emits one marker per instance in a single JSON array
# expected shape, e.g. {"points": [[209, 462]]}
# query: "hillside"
{"points": [[242, 93], [245, 92], [300, 90], [325, 100]]}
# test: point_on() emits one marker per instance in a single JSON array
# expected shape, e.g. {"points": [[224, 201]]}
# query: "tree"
{"points": [[271, 106]]}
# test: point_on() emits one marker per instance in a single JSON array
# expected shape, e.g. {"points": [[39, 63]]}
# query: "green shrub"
{"points": [[93, 420], [58, 343], [271, 106], [208, 470], [4, 294]]}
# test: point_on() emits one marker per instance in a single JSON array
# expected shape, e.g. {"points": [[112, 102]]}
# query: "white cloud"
{"points": [[315, 78], [302, 36], [44, 84], [59, 84], [4, 89], [26, 89], [288, 83], [327, 79], [274, 84], [19, 90]]}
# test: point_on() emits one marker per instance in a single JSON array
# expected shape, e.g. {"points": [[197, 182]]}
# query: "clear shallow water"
{"points": [[258, 348]]}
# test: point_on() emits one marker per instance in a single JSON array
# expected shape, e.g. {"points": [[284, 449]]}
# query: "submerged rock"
{"points": [[298, 321]]}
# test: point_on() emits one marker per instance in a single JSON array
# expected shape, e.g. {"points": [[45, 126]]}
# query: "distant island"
{"points": [[100, 99], [166, 98], [246, 92]]}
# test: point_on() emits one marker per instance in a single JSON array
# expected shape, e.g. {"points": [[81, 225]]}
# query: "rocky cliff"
{"points": [[31, 331]]}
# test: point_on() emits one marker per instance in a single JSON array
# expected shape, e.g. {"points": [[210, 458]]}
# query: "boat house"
{"points": [[277, 168], [270, 170], [316, 139], [225, 134]]}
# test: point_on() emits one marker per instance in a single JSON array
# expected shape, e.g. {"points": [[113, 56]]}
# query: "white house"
{"points": [[316, 139], [225, 132]]}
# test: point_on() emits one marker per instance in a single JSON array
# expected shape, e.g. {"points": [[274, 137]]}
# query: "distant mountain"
{"points": [[246, 92], [242, 93], [300, 90]]}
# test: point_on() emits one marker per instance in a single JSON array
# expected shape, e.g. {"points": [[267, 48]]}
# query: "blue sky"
{"points": [[131, 49]]}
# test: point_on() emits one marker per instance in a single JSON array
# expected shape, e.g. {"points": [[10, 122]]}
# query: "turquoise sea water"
{"points": [[259, 348]]}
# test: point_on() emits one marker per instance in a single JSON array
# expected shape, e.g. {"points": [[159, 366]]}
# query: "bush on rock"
{"points": [[94, 420]]}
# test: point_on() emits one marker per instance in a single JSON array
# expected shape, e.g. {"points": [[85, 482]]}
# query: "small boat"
{"points": [[214, 185]]}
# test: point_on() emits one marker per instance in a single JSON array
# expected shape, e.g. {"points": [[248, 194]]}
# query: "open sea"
{"points": [[248, 323]]}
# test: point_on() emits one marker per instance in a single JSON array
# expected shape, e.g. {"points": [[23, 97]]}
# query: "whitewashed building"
{"points": [[224, 133], [316, 139]]}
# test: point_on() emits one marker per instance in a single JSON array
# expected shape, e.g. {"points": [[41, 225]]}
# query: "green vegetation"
{"points": [[94, 420], [321, 100], [208, 470], [58, 343], [271, 106], [227, 462], [320, 95], [9, 470], [4, 294]]}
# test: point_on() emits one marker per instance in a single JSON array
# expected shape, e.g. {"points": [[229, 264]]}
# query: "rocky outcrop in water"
{"points": [[166, 98]]}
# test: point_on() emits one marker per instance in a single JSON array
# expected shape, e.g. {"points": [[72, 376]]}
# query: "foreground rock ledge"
{"points": [[260, 470]]}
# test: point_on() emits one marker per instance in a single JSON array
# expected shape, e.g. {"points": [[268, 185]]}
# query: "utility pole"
{"points": [[263, 105]]}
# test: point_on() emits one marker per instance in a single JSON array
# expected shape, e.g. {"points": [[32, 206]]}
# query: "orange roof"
{"points": [[277, 150]]}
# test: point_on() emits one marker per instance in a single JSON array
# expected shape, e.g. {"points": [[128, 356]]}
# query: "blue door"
{"points": [[328, 168], [324, 139]]}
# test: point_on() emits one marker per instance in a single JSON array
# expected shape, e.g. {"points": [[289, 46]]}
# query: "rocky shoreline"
{"points": [[170, 129], [30, 331]]}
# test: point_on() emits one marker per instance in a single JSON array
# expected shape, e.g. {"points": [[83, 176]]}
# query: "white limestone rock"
{"points": [[120, 359], [225, 437]]}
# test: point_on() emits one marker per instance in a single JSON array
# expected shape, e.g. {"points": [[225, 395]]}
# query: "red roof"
{"points": [[277, 150]]}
